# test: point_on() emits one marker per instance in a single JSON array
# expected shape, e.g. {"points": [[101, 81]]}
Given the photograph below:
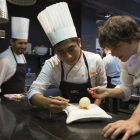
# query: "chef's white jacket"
{"points": [[51, 73], [130, 75], [112, 68], [8, 65]]}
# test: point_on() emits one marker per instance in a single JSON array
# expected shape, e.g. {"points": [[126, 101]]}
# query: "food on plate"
{"points": [[84, 103]]}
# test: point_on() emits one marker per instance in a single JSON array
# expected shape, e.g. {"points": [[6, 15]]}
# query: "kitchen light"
{"points": [[3, 12], [22, 2], [2, 34], [108, 15]]}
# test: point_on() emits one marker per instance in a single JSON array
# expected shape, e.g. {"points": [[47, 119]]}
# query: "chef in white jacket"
{"points": [[71, 69], [122, 35], [12, 61]]}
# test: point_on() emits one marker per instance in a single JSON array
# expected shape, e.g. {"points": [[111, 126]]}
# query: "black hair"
{"points": [[116, 29], [73, 39], [14, 40]]}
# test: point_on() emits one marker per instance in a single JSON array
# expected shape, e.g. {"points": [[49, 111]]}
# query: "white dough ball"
{"points": [[84, 102]]}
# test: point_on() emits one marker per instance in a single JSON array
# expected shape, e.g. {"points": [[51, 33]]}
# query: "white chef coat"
{"points": [[51, 73], [8, 65], [112, 68], [130, 75]]}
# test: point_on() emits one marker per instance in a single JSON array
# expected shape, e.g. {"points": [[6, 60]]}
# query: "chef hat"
{"points": [[19, 27], [57, 22]]}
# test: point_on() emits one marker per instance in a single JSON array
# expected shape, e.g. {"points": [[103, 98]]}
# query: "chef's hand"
{"points": [[128, 127], [57, 106], [99, 92]]}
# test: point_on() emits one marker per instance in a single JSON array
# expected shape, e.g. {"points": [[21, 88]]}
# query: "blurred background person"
{"points": [[113, 76], [112, 69], [12, 61]]}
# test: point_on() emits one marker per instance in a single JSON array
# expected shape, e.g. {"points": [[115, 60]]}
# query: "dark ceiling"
{"points": [[115, 7]]}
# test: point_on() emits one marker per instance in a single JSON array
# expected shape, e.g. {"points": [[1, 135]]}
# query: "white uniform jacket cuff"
{"points": [[29, 95], [127, 92]]}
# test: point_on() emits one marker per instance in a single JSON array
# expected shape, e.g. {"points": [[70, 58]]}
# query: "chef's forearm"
{"points": [[115, 93], [97, 102], [40, 101]]}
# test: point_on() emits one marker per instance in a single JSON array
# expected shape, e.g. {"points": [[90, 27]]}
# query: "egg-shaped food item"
{"points": [[84, 102]]}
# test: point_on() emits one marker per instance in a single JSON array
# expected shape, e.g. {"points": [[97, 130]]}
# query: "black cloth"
{"points": [[16, 83], [72, 91], [109, 85]]}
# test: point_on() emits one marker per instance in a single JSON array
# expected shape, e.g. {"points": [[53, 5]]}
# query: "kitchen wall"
{"points": [[85, 22], [37, 35], [84, 19]]}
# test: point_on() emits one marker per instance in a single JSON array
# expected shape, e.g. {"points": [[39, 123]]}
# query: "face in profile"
{"points": [[19, 46], [123, 50], [69, 51]]}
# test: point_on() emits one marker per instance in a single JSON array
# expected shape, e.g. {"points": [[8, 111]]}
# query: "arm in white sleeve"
{"points": [[43, 81], [126, 82], [101, 79], [4, 65], [105, 64]]}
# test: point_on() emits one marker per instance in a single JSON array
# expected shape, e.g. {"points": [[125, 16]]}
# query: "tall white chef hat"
{"points": [[19, 27], [57, 22]]}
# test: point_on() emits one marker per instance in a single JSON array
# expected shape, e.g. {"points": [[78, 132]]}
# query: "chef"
{"points": [[12, 61], [112, 68], [71, 69], [122, 35]]}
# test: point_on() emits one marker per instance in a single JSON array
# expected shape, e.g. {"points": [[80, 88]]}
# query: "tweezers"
{"points": [[60, 100]]}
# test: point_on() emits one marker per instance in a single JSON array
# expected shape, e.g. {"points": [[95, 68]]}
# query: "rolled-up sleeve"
{"points": [[43, 81], [101, 79], [4, 63], [126, 82]]}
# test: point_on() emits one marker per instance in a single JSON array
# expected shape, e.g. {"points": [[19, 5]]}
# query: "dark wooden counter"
{"points": [[19, 121]]}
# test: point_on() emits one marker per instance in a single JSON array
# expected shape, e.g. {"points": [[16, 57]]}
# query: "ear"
{"points": [[79, 40], [11, 42]]}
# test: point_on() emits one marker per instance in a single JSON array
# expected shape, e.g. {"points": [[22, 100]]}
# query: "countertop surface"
{"points": [[19, 121]]}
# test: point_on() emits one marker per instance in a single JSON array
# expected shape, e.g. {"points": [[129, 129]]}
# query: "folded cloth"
{"points": [[75, 113], [14, 96]]}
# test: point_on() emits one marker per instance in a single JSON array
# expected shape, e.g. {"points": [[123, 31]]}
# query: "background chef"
{"points": [[112, 68], [12, 61], [71, 69]]}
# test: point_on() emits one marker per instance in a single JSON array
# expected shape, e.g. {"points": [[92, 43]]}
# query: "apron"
{"points": [[16, 83], [109, 85], [74, 92]]}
